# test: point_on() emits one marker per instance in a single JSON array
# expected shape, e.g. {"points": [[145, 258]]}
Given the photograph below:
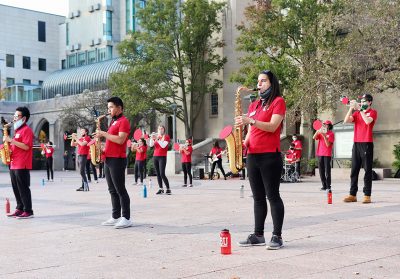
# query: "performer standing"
{"points": [[49, 151], [115, 164], [216, 155], [65, 160], [186, 160], [297, 147], [160, 143], [91, 167], [83, 150], [264, 162], [141, 154], [364, 119], [21, 163], [325, 138]]}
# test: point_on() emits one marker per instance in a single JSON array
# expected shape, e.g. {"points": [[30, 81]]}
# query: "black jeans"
{"points": [[101, 170], [49, 168], [21, 180], [115, 175], [219, 163], [324, 168], [82, 167], [160, 162], [89, 166], [264, 172], [139, 170], [187, 171], [362, 156]]}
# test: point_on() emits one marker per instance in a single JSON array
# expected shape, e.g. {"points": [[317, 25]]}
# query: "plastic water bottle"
{"points": [[144, 189], [242, 191], [150, 185], [330, 196], [42, 181]]}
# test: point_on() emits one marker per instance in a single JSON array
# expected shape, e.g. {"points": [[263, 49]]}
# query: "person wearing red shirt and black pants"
{"points": [[141, 154], [216, 156], [115, 164], [264, 162], [49, 151], [160, 143], [325, 138], [364, 119], [297, 147], [83, 150], [21, 163], [186, 160]]}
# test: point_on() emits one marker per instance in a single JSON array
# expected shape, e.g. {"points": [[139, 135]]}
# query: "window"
{"points": [[63, 64], [109, 2], [108, 25], [42, 31], [42, 64], [142, 3], [109, 52], [67, 34], [91, 57], [10, 81], [26, 62], [214, 104], [10, 60], [81, 59], [26, 81], [102, 54], [40, 82], [71, 61]]}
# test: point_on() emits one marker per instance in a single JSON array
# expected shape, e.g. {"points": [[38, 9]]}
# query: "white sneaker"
{"points": [[140, 183], [134, 183], [110, 222], [123, 223]]}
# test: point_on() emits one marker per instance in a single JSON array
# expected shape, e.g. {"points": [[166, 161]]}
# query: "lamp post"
{"points": [[174, 107]]}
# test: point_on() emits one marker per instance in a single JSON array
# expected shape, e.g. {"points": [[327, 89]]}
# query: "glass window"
{"points": [[26, 81], [10, 81], [26, 62], [67, 33], [82, 59], [102, 54], [127, 15], [109, 52], [63, 64], [91, 57], [41, 31], [71, 61], [214, 104], [108, 25], [142, 3], [109, 2], [40, 82], [10, 60], [42, 64]]}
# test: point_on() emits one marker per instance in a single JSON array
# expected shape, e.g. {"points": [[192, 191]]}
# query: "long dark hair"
{"points": [[216, 144], [276, 91]]}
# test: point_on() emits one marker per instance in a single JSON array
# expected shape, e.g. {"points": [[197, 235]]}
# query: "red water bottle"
{"points": [[330, 196], [225, 236], [7, 206]]}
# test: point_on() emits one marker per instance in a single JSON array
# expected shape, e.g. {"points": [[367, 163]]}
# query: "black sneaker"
{"points": [[168, 192], [160, 191], [184, 185], [253, 240], [80, 189], [323, 189], [275, 243]]}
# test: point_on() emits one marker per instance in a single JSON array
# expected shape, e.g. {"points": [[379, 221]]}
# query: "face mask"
{"points": [[18, 124], [294, 138], [364, 107], [264, 95]]}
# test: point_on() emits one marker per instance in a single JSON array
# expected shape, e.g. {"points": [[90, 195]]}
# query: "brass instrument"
{"points": [[234, 140], [5, 152], [95, 149]]}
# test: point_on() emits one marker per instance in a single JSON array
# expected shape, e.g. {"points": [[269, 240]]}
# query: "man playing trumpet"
{"points": [[83, 150]]}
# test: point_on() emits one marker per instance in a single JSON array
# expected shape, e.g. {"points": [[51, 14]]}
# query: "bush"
{"points": [[149, 162], [396, 153]]}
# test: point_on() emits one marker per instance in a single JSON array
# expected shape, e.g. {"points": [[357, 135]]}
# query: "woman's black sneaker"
{"points": [[253, 240], [160, 191], [168, 192], [275, 243]]}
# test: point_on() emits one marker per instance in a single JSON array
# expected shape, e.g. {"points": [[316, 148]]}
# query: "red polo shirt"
{"points": [[83, 150], [362, 131], [187, 158], [158, 150], [261, 141], [322, 149], [49, 152], [141, 156], [297, 144], [112, 149], [22, 159]]}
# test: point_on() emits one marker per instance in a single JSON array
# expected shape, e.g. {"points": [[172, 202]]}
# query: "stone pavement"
{"points": [[177, 236]]}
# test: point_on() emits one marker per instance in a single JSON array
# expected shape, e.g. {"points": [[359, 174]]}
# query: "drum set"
{"points": [[289, 172]]}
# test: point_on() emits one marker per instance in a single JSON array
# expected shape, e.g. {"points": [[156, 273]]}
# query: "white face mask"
{"points": [[294, 138], [18, 124]]}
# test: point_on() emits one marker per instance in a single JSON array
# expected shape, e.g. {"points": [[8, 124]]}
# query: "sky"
{"points": [[58, 7]]}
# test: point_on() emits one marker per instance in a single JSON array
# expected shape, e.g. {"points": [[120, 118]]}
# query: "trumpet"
{"points": [[42, 147]]}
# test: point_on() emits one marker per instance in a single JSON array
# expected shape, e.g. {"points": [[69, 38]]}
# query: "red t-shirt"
{"points": [[261, 141], [217, 150], [187, 158], [158, 150], [362, 131], [49, 152], [112, 149], [22, 159], [141, 156], [297, 144], [83, 150], [291, 156], [322, 149]]}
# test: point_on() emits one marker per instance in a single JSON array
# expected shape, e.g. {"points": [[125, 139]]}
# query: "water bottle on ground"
{"points": [[242, 191], [144, 189]]}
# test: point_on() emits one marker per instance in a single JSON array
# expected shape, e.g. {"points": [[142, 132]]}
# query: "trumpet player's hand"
{"points": [[354, 105]]}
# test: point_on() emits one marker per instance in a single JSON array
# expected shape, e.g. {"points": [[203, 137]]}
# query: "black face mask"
{"points": [[116, 117], [264, 95]]}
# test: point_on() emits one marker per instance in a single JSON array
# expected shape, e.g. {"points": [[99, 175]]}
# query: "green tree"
{"points": [[172, 59]]}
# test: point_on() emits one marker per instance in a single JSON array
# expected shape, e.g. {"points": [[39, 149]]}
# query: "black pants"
{"points": [[65, 162], [101, 170], [115, 175], [139, 170], [297, 169], [219, 163], [89, 166], [362, 156], [82, 167], [21, 180], [244, 168], [49, 168], [187, 171], [264, 172], [324, 167], [160, 162]]}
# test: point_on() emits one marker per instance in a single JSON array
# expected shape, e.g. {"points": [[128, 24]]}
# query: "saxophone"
{"points": [[235, 138], [95, 149], [5, 152]]}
